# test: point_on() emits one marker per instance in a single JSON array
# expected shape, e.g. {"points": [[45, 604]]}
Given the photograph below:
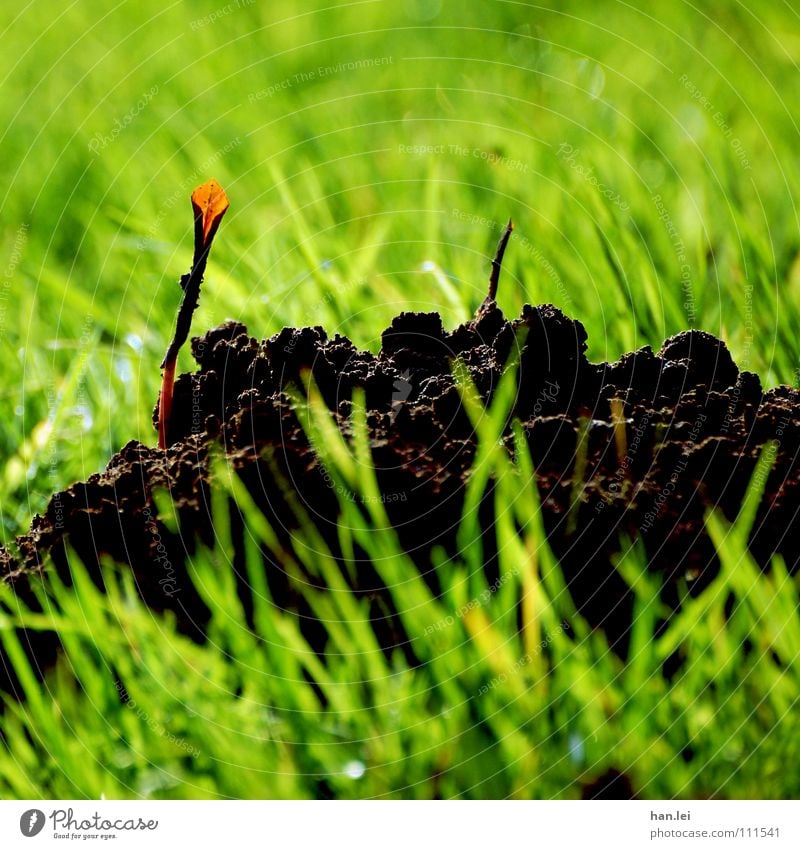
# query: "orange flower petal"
{"points": [[210, 203]]}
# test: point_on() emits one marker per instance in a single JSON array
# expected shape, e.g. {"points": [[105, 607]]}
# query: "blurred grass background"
{"points": [[371, 151]]}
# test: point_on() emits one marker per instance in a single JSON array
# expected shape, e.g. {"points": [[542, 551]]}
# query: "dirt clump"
{"points": [[693, 428]]}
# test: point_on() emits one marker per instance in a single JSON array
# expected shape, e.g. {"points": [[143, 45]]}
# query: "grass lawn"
{"points": [[372, 153]]}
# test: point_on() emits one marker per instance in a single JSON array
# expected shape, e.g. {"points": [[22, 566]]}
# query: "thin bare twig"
{"points": [[494, 277]]}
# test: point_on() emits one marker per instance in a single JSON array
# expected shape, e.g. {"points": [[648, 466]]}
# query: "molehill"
{"points": [[693, 424]]}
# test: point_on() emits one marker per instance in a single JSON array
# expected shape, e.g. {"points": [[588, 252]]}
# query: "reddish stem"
{"points": [[165, 401]]}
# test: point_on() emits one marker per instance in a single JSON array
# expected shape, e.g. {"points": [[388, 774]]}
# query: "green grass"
{"points": [[688, 124], [136, 709]]}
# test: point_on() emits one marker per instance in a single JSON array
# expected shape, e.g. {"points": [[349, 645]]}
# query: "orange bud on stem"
{"points": [[209, 204]]}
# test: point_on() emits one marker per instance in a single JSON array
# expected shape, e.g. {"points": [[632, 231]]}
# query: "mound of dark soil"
{"points": [[668, 435]]}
